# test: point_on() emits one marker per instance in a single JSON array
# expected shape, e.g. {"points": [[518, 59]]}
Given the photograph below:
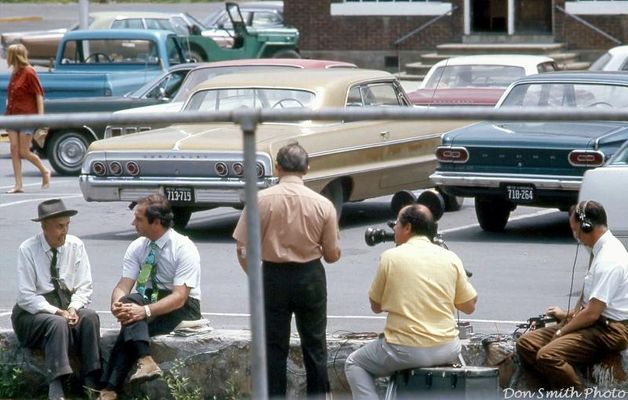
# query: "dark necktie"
{"points": [[54, 273]]}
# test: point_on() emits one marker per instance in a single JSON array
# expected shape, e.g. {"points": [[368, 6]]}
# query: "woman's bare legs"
{"points": [[21, 148]]}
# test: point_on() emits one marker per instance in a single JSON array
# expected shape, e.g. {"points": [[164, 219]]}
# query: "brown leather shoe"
{"points": [[106, 394], [147, 369]]}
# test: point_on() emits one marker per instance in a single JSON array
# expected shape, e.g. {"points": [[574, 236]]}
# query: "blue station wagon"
{"points": [[506, 164]]}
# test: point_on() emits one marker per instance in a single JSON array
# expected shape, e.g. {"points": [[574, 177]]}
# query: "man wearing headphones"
{"points": [[420, 285], [599, 322], [164, 266]]}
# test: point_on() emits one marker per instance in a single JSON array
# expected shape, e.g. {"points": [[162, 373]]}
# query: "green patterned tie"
{"points": [[148, 270]]}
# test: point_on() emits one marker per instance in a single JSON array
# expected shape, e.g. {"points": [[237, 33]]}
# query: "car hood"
{"points": [[531, 134], [201, 137]]}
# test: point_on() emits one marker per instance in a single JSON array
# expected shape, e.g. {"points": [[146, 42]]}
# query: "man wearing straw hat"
{"points": [[54, 288]]}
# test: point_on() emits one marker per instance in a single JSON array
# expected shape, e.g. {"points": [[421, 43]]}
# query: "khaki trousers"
{"points": [[555, 358]]}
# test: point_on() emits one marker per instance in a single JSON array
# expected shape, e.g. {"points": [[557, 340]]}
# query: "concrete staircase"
{"points": [[495, 44]]}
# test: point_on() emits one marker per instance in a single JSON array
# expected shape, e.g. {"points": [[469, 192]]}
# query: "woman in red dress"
{"points": [[25, 96]]}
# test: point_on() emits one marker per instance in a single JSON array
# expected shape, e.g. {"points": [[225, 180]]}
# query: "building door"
{"points": [[533, 16], [489, 16]]}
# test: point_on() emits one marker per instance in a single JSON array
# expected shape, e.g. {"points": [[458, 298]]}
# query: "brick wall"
{"points": [[320, 31]]}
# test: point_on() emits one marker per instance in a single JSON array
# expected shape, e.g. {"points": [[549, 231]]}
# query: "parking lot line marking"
{"points": [[517, 218], [15, 203]]}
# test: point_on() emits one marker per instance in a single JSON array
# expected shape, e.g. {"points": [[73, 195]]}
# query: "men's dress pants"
{"points": [[555, 359], [299, 289], [125, 352], [380, 358], [57, 339]]}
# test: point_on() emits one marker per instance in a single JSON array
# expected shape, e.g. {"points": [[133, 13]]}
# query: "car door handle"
{"points": [[385, 135]]}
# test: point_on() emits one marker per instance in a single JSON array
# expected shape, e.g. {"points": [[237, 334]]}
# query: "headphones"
{"points": [[585, 223]]}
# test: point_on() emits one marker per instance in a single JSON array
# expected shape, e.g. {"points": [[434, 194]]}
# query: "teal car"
{"points": [[506, 164]]}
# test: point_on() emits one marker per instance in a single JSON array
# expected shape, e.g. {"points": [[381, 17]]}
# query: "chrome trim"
{"points": [[206, 190], [385, 143], [547, 182]]}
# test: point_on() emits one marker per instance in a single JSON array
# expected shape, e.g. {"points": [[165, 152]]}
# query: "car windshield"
{"points": [[459, 76], [110, 51], [230, 99], [601, 62], [567, 95], [197, 76]]}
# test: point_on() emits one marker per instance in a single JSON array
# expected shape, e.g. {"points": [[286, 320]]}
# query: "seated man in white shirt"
{"points": [[165, 268], [54, 289]]}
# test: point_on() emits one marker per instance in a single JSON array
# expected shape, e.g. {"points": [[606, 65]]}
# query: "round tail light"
{"points": [[132, 168], [238, 169], [259, 167], [116, 168], [99, 168], [221, 169]]}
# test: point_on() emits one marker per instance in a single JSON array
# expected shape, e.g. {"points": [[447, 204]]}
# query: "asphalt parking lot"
{"points": [[517, 273]]}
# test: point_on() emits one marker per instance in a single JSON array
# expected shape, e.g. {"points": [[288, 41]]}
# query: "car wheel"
{"points": [[335, 193], [182, 216], [452, 203], [286, 54], [492, 213], [194, 55], [66, 152]]}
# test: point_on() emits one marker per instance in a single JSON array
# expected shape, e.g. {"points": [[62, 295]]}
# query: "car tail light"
{"points": [[447, 154], [260, 170], [238, 169], [116, 168], [132, 168], [586, 158], [99, 168], [221, 169]]}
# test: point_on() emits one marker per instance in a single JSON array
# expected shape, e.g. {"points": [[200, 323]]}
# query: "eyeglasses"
{"points": [[391, 224]]}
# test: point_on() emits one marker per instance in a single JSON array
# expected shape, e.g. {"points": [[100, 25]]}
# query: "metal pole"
{"points": [[83, 14], [254, 262]]}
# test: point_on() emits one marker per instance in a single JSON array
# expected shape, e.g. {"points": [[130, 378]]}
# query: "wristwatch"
{"points": [[147, 311]]}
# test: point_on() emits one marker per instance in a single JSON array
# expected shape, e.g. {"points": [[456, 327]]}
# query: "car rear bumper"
{"points": [[206, 192], [549, 191]]}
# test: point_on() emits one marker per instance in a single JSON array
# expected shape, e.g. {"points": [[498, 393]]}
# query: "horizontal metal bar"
{"points": [[250, 117]]}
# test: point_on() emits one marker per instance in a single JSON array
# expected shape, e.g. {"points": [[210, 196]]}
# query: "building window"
{"points": [[389, 7]]}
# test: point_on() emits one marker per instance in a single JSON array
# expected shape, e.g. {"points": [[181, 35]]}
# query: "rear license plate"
{"points": [[519, 193], [179, 194]]}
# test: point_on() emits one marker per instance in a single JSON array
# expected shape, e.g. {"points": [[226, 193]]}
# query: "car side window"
{"points": [[381, 94], [354, 99]]}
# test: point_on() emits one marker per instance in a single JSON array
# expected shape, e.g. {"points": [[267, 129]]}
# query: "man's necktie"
{"points": [[54, 274], [148, 270]]}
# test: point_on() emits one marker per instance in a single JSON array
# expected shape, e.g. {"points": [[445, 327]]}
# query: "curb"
{"points": [[21, 19]]}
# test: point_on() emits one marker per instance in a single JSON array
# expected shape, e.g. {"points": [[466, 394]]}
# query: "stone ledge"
{"points": [[218, 363]]}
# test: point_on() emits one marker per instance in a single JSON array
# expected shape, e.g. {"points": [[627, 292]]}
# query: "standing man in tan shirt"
{"points": [[298, 227]]}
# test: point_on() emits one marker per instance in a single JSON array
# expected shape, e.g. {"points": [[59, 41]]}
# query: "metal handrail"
{"points": [[589, 25], [424, 26]]}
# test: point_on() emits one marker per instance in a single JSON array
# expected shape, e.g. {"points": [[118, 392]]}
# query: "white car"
{"points": [[608, 186], [616, 59], [476, 80]]}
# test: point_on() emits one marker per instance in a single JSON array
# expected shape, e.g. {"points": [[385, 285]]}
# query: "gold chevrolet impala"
{"points": [[200, 166]]}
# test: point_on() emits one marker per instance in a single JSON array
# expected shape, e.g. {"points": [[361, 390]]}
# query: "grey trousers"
{"points": [[52, 334], [379, 359]]}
